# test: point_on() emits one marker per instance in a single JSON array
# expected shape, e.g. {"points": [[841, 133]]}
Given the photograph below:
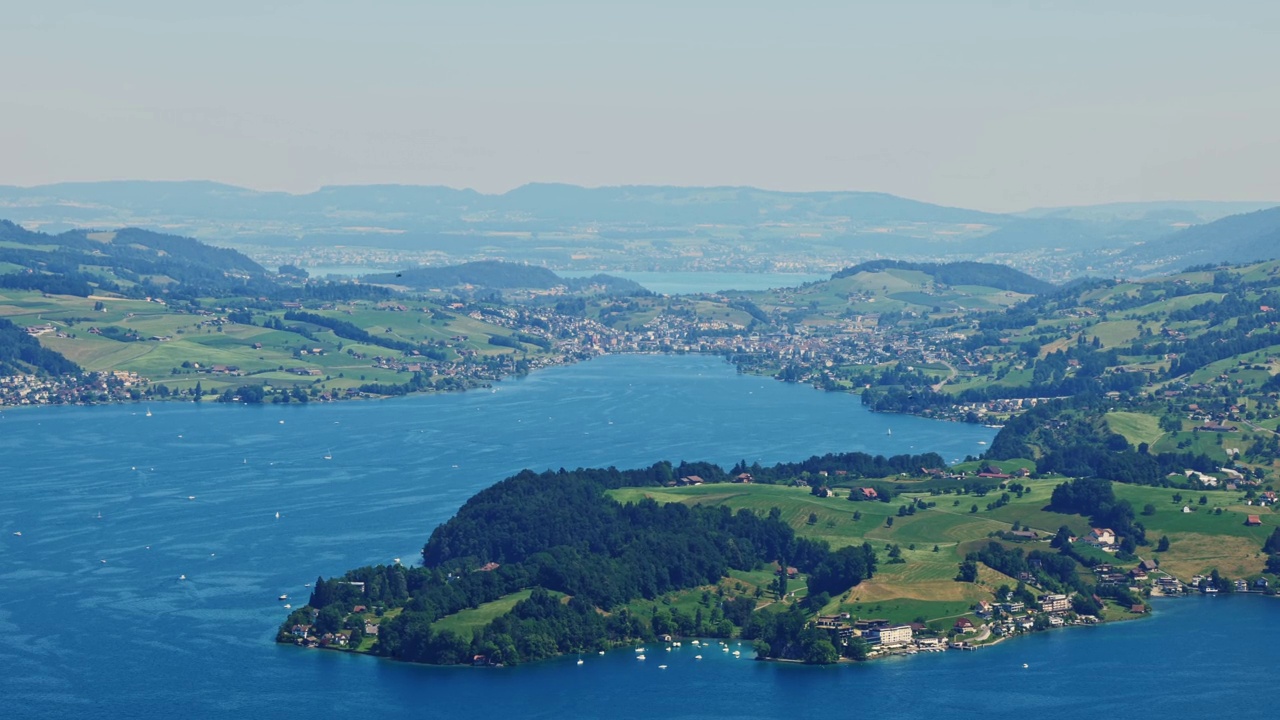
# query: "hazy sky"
{"points": [[992, 105]]}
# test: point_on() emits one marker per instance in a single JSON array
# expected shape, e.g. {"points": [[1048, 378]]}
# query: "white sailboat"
{"points": [[328, 455], [148, 412]]}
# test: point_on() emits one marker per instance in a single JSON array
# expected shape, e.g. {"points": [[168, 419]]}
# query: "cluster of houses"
{"points": [[306, 635], [93, 387], [1011, 617]]}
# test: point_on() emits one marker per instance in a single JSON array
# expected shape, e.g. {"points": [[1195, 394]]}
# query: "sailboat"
{"points": [[328, 455], [890, 431], [277, 514], [148, 412]]}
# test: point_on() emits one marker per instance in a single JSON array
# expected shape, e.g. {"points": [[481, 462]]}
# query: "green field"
{"points": [[467, 621], [177, 348], [924, 586], [1135, 427]]}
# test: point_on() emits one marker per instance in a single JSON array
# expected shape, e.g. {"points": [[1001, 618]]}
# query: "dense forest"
{"points": [[21, 353], [1000, 277], [586, 556]]}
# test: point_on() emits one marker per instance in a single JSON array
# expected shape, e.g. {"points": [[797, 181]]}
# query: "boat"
{"points": [[982, 442], [284, 597], [579, 661], [737, 652], [397, 561], [328, 455], [640, 650], [277, 514], [182, 577], [697, 657], [189, 497], [890, 432], [638, 657], [1025, 665], [601, 652], [148, 412], [287, 606], [662, 667], [18, 533]]}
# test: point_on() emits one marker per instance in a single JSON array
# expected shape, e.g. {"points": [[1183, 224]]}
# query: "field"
{"points": [[1135, 427], [933, 541], [924, 585], [467, 621], [177, 348]]}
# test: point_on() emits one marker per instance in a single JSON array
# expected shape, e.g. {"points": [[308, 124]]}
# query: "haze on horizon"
{"points": [[988, 105]]}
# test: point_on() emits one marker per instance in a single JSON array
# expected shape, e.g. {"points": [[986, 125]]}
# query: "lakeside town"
{"points": [[823, 357]]}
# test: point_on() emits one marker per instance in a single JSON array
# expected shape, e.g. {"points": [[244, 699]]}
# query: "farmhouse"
{"points": [[1102, 537]]}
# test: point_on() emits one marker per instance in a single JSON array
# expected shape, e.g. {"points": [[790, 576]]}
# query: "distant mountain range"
{"points": [[652, 227]]}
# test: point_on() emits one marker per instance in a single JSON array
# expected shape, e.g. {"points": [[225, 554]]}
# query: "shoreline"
{"points": [[482, 384]]}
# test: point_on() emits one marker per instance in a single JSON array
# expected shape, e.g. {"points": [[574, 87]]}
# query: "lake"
{"points": [[115, 507]]}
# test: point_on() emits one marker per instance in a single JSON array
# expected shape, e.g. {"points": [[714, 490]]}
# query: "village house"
{"points": [[1101, 537]]}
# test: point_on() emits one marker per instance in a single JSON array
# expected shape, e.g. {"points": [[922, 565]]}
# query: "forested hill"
{"points": [[73, 262], [1235, 239], [559, 534], [498, 275], [21, 354], [990, 275]]}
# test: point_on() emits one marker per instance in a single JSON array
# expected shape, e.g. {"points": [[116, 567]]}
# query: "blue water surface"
{"points": [[114, 507]]}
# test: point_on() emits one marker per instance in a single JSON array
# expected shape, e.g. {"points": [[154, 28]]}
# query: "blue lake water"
{"points": [[194, 489], [688, 283]]}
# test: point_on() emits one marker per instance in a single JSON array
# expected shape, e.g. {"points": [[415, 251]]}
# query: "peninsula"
{"points": [[842, 556]]}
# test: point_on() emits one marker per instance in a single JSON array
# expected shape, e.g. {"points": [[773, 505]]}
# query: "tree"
{"points": [[857, 649], [1272, 546], [968, 571], [1148, 509], [329, 619], [818, 650], [888, 522], [1273, 564], [1163, 545], [1062, 539], [813, 518]]}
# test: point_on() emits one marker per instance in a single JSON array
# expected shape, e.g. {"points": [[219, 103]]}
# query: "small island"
{"points": [[842, 557]]}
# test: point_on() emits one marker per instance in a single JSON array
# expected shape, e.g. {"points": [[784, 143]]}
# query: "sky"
{"points": [[996, 106]]}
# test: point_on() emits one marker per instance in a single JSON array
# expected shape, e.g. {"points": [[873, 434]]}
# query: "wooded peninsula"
{"points": [[843, 556]]}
